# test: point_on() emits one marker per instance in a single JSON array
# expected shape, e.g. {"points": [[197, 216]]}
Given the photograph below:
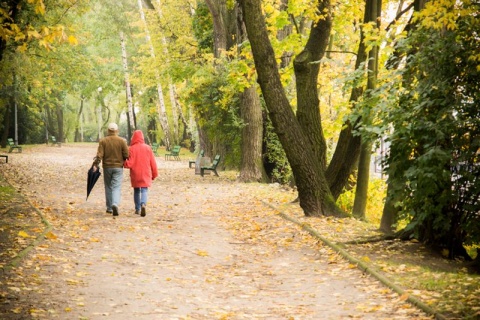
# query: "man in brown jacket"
{"points": [[112, 151]]}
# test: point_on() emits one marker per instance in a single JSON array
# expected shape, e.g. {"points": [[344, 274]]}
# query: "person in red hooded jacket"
{"points": [[143, 170]]}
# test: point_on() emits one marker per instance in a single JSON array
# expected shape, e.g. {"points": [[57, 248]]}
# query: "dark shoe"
{"points": [[115, 211], [137, 211], [109, 211], [144, 212]]}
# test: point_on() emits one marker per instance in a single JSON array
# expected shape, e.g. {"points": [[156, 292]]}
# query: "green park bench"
{"points": [[174, 153], [211, 167], [13, 146], [155, 149], [54, 141]]}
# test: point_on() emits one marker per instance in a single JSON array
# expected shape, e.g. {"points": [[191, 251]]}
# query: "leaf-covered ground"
{"points": [[209, 248]]}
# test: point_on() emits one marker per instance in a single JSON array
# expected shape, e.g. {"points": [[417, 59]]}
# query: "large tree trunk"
{"points": [[389, 213], [314, 194], [306, 74], [6, 124], [251, 166], [252, 133]]}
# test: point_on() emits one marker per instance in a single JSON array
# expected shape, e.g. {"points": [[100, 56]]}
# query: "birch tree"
{"points": [[131, 120], [162, 110]]}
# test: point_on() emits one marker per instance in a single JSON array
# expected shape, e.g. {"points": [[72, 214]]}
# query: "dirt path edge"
{"points": [[15, 261], [361, 265]]}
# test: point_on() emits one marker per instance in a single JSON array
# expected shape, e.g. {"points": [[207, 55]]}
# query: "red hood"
{"points": [[137, 137]]}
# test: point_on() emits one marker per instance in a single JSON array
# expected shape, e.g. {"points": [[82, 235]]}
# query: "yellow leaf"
{"points": [[366, 259], [67, 309], [19, 36], [23, 234], [202, 253], [33, 34], [22, 48], [72, 40], [72, 282], [50, 235], [40, 8], [404, 297]]}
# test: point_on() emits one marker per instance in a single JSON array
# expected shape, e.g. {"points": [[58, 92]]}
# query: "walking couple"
{"points": [[115, 155]]}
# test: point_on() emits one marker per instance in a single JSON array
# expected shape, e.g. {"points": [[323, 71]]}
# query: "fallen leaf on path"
{"points": [[50, 235], [23, 234], [202, 253]]}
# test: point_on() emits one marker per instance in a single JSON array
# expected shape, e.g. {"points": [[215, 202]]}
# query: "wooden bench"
{"points": [[155, 147], [13, 146], [174, 153], [4, 156], [211, 167], [55, 142]]}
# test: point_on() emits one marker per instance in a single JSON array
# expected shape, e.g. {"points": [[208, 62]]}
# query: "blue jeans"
{"points": [[140, 196], [112, 178]]}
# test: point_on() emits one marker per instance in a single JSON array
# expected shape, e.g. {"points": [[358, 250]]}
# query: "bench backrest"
{"points": [[53, 138], [215, 161], [154, 146], [10, 142], [176, 150]]}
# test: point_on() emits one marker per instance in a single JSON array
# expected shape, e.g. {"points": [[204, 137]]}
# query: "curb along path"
{"points": [[207, 249]]}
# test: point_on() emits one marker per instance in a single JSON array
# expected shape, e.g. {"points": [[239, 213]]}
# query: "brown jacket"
{"points": [[112, 151]]}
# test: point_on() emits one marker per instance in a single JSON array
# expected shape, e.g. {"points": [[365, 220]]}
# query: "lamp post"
{"points": [[15, 108]]}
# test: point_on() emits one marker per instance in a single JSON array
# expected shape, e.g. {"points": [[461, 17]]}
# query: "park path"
{"points": [[207, 249]]}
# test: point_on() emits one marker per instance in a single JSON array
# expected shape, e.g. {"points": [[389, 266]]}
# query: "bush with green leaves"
{"points": [[433, 162]]}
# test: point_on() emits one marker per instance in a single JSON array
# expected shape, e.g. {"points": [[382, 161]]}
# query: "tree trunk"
{"points": [[252, 169], [314, 194], [176, 108], [224, 26], [251, 166], [389, 213], [307, 66], [363, 177], [344, 160], [346, 154], [6, 124], [131, 121], [78, 124], [59, 112], [223, 40], [163, 118], [372, 14]]}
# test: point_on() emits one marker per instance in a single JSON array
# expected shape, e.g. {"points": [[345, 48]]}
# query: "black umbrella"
{"points": [[92, 179]]}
